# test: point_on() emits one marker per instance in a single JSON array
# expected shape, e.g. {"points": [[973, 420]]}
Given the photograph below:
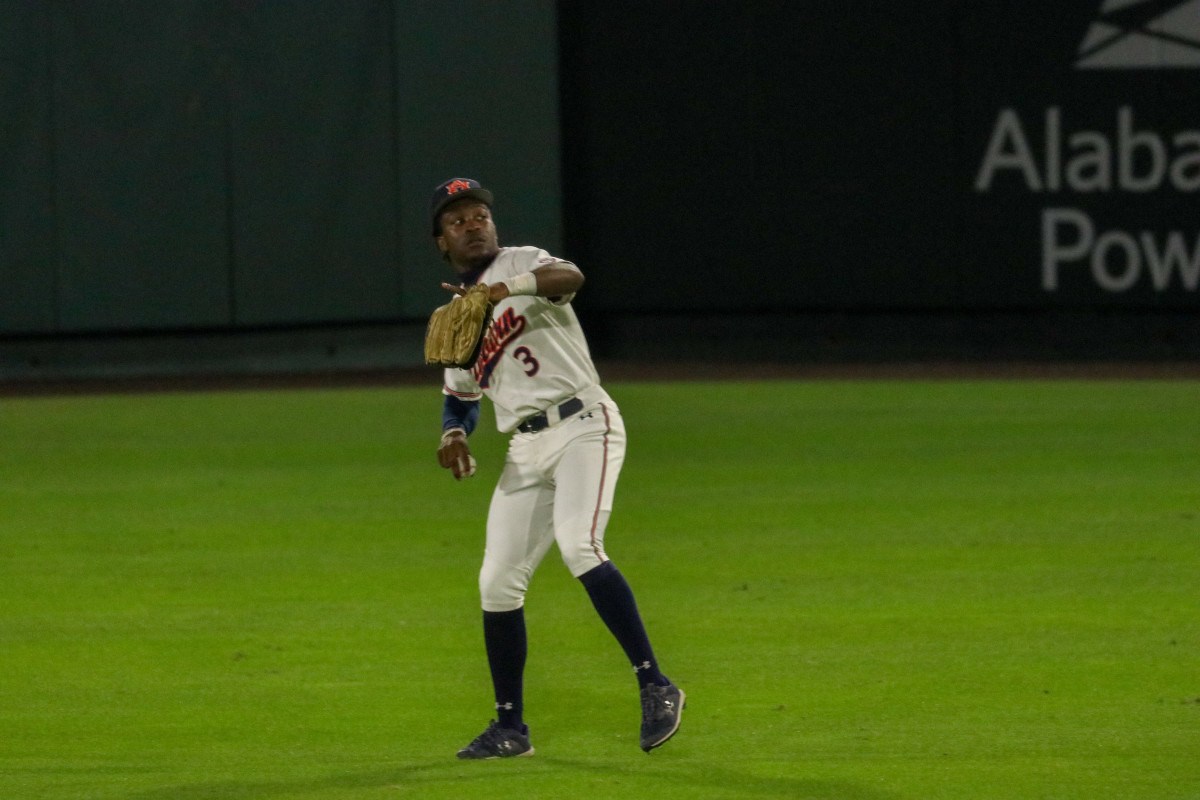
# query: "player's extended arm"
{"points": [[459, 418], [551, 280]]}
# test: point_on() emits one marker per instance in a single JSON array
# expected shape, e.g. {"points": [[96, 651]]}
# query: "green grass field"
{"points": [[870, 590]]}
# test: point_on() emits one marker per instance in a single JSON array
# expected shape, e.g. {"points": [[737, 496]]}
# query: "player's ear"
{"points": [[442, 247]]}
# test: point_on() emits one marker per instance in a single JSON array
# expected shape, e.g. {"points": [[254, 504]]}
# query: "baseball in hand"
{"points": [[465, 469]]}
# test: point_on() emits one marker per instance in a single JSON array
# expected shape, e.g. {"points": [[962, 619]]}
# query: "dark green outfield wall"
{"points": [[888, 180], [214, 165]]}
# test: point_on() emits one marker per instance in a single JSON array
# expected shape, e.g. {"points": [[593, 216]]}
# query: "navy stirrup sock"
{"points": [[614, 602], [504, 638]]}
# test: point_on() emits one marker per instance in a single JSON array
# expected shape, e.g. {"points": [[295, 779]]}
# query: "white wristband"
{"points": [[523, 284]]}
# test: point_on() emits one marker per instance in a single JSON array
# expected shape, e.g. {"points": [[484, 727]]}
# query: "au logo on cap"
{"points": [[1143, 34], [457, 186]]}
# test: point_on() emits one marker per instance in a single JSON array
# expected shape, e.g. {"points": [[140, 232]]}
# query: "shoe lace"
{"points": [[494, 735]]}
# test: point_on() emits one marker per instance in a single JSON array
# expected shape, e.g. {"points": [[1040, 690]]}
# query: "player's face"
{"points": [[468, 235]]}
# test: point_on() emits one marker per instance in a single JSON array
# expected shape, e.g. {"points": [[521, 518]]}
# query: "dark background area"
{"points": [[240, 187]]}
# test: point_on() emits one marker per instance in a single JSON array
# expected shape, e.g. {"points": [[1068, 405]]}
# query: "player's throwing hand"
{"points": [[454, 454]]}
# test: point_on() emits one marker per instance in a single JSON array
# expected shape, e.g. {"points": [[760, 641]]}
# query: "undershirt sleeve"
{"points": [[457, 413]]}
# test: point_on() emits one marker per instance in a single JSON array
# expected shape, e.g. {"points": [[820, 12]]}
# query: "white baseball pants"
{"points": [[557, 486]]}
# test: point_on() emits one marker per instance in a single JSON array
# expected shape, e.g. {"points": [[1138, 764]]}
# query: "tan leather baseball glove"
{"points": [[456, 329]]}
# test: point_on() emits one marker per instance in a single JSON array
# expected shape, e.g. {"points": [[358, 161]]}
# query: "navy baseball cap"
{"points": [[452, 191]]}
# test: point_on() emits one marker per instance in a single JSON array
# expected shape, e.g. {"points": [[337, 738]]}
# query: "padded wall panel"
{"points": [[28, 262], [140, 165], [313, 205]]}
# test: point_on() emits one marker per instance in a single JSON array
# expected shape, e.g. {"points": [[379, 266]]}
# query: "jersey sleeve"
{"points": [[540, 258], [461, 384]]}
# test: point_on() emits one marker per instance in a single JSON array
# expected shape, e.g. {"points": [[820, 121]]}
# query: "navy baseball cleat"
{"points": [[662, 711], [497, 742]]}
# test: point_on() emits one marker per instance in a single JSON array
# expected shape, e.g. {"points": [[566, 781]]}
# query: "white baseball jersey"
{"points": [[534, 354]]}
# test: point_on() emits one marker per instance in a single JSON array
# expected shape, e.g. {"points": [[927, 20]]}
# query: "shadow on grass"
{"points": [[729, 780], [400, 775], [724, 779]]}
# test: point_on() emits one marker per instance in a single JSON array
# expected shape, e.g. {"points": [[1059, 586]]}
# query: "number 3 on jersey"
{"points": [[525, 356]]}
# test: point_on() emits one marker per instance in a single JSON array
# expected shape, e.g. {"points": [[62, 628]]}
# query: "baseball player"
{"points": [[561, 469]]}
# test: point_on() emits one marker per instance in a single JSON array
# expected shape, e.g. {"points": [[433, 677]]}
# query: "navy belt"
{"points": [[539, 422]]}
